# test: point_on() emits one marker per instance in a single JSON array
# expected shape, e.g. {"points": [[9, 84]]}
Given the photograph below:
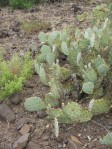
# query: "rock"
{"points": [[75, 8], [21, 142], [4, 33], [5, 145], [34, 10], [6, 113], [10, 146], [38, 132], [25, 129], [16, 26], [32, 145], [73, 144], [95, 144], [15, 99], [20, 123], [47, 147], [41, 114]]}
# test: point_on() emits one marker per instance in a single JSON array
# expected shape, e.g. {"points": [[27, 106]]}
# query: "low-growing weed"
{"points": [[35, 26], [14, 73], [21, 4]]}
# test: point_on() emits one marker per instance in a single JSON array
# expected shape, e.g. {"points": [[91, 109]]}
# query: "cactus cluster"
{"points": [[89, 57], [72, 112]]}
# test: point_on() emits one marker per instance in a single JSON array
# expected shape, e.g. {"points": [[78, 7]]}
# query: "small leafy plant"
{"points": [[4, 3], [35, 26], [21, 4], [13, 74]]}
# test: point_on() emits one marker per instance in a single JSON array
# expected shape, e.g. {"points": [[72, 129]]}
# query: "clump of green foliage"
{"points": [[4, 3], [14, 73], [21, 4], [35, 26]]}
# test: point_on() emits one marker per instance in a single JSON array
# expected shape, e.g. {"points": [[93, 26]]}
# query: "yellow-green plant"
{"points": [[35, 26], [14, 73]]}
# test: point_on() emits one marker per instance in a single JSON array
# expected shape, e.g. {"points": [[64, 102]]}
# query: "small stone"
{"points": [[3, 33], [34, 10], [25, 129], [41, 114], [22, 141], [32, 145], [47, 147], [45, 137], [73, 145], [6, 113], [33, 121], [20, 123], [45, 143], [38, 132], [15, 99]]}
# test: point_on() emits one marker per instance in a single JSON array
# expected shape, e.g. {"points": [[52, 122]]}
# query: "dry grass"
{"points": [[35, 26]]}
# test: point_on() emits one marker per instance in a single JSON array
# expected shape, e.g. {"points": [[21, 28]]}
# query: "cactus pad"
{"points": [[85, 116], [73, 111], [107, 140], [60, 115], [88, 87], [99, 106], [52, 101], [34, 104]]}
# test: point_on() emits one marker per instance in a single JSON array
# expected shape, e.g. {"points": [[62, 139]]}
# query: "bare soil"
{"points": [[14, 39]]}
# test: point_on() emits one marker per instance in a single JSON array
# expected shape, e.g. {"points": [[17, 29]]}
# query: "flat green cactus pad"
{"points": [[49, 100], [88, 87], [85, 116], [99, 106], [34, 104], [107, 140], [73, 110], [60, 115]]}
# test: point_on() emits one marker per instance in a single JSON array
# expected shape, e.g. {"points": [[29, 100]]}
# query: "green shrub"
{"points": [[21, 4], [13, 74], [35, 26], [4, 3]]}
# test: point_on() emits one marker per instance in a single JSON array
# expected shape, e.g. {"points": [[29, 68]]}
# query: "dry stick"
{"points": [[100, 125]]}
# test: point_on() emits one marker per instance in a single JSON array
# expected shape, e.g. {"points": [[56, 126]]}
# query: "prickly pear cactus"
{"points": [[34, 104], [49, 99], [68, 88], [55, 89], [60, 115], [65, 73], [40, 70], [88, 87], [85, 116], [103, 69], [53, 36], [99, 106], [46, 55], [42, 37], [100, 65], [107, 140], [64, 48], [98, 93], [73, 111], [89, 74]]}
